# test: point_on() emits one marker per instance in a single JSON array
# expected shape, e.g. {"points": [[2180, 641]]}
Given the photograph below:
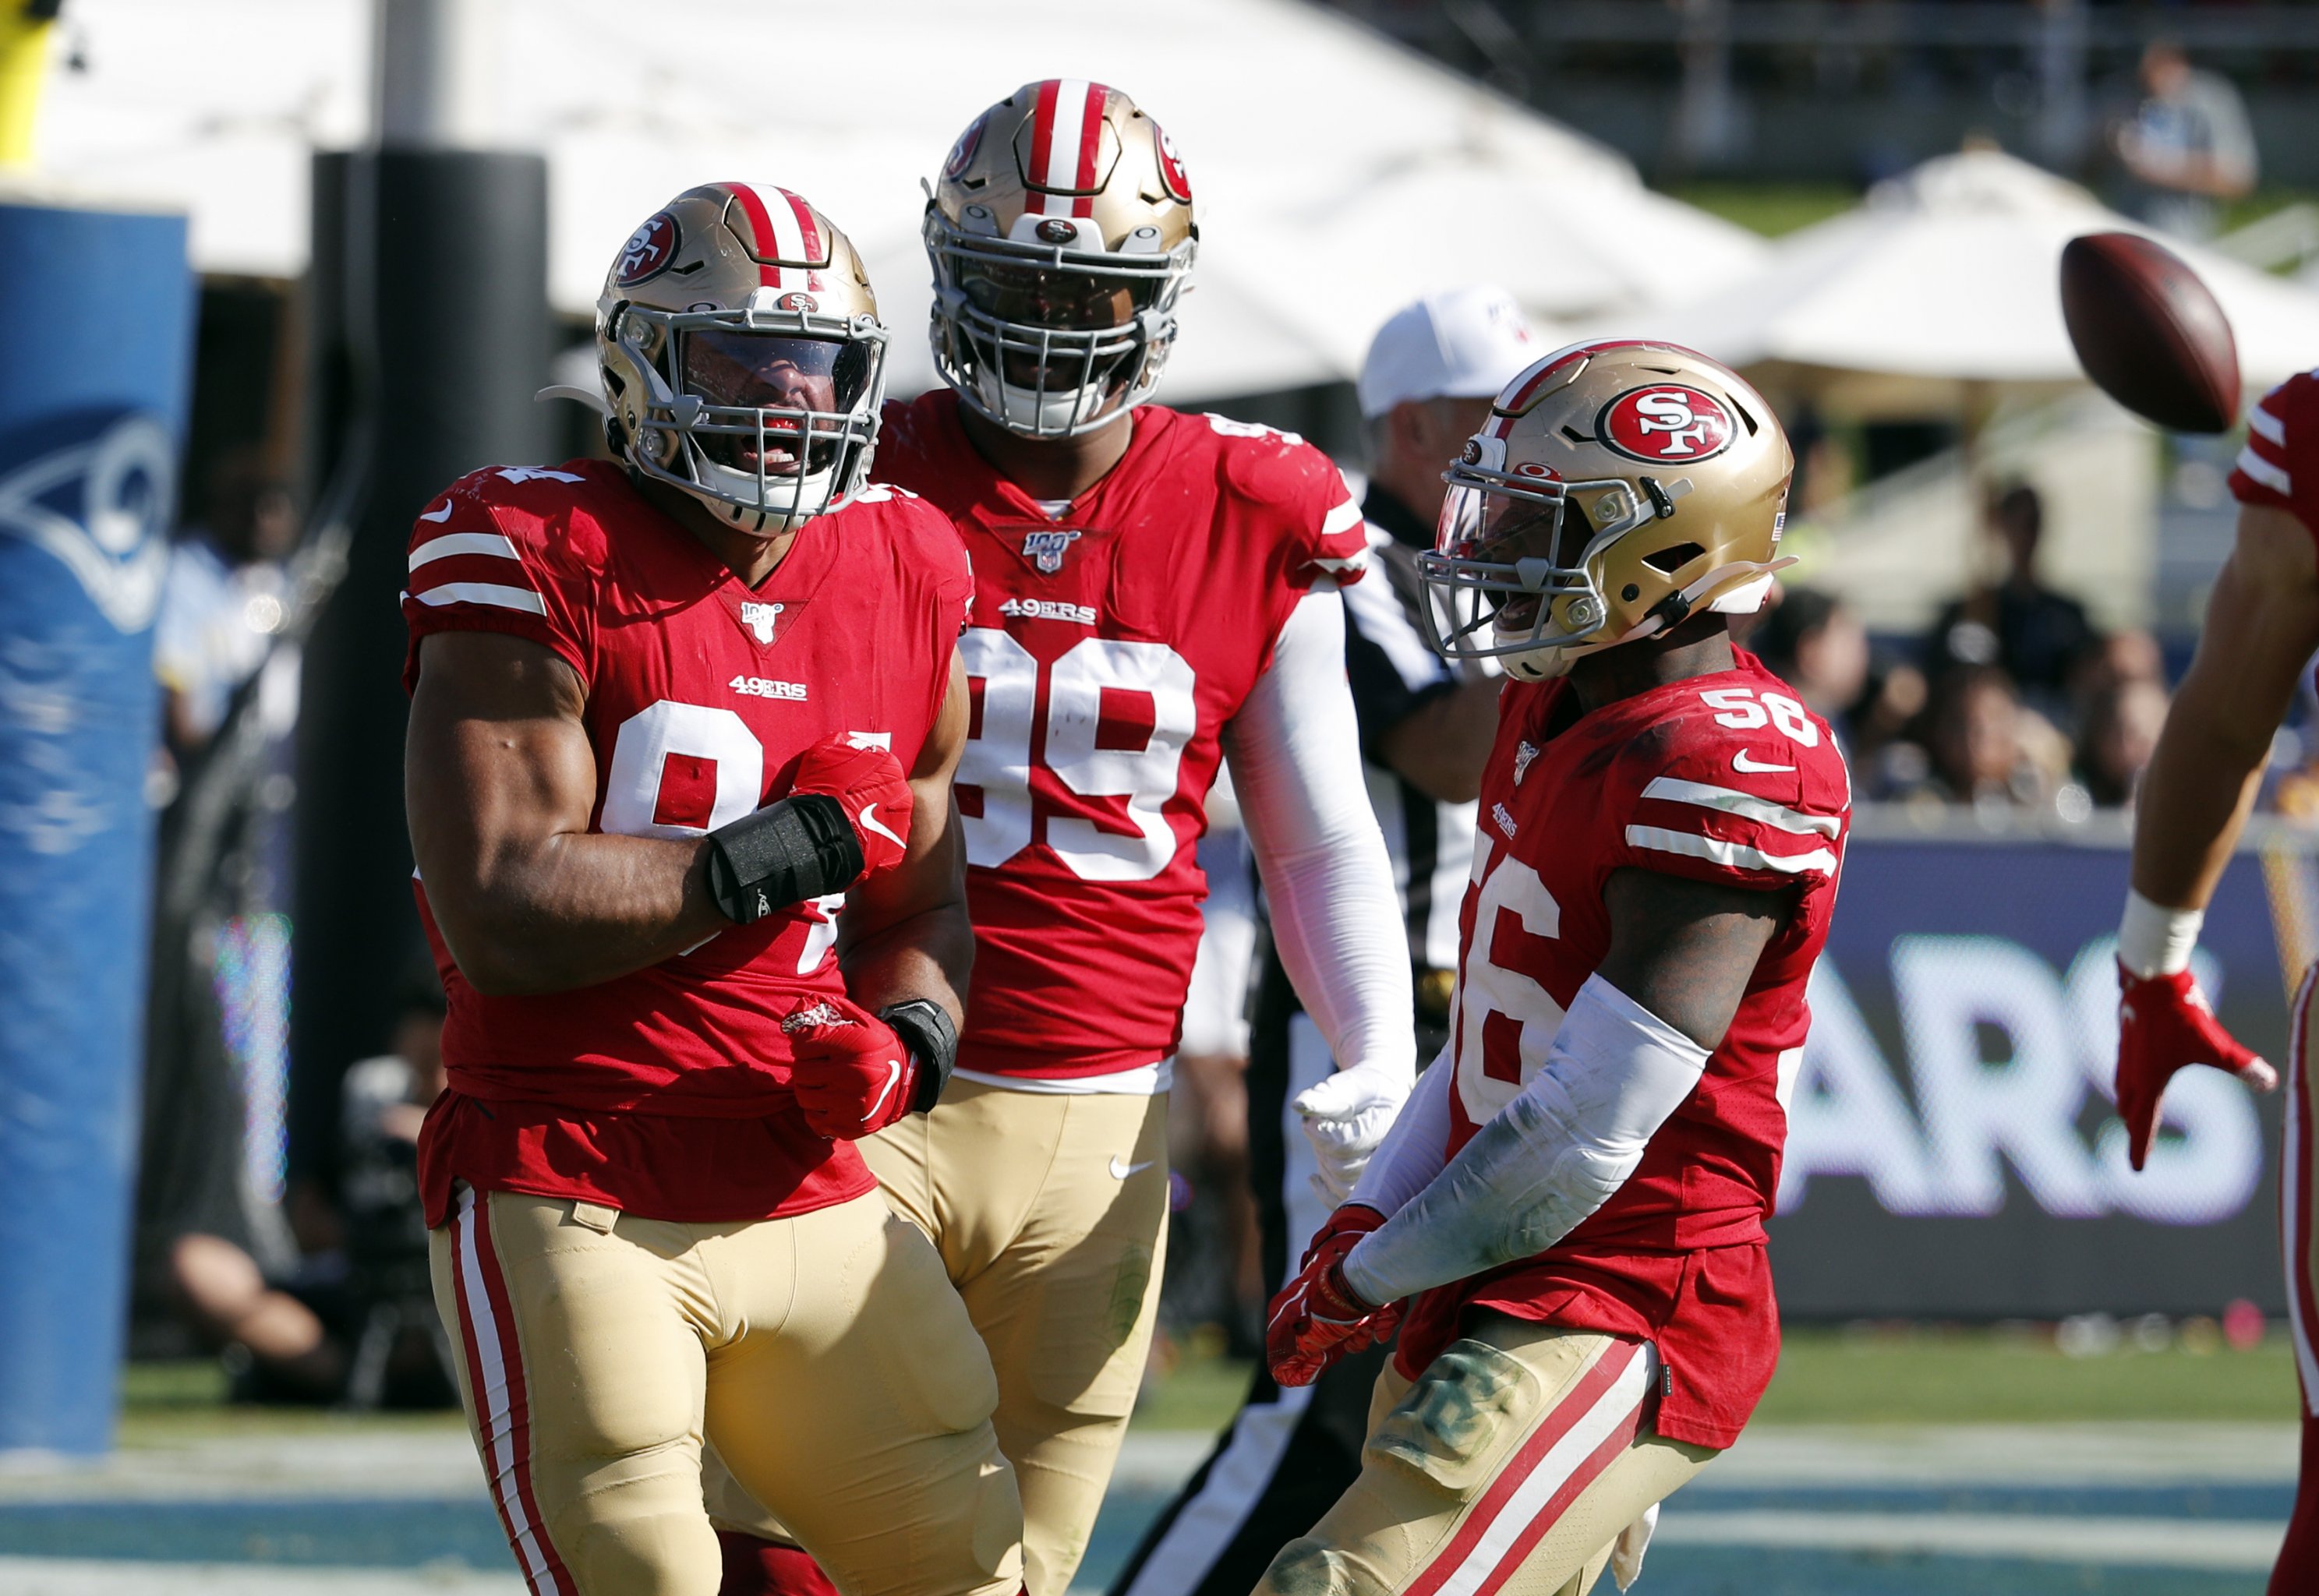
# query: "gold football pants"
{"points": [[826, 1354], [1510, 1468], [1050, 1213]]}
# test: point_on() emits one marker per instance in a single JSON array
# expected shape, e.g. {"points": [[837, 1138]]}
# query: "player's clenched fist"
{"points": [[851, 1072], [2164, 1025], [870, 787], [847, 817], [1346, 1116], [1317, 1319]]}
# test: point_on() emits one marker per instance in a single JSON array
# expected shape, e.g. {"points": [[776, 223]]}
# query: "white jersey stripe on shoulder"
{"points": [[2271, 476], [484, 592], [2263, 424], [1617, 1405], [1746, 805], [462, 543], [1735, 854], [1346, 515]]}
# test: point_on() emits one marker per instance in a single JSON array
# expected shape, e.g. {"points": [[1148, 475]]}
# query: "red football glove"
{"points": [[852, 1074], [2163, 1025], [869, 786], [1316, 1318]]}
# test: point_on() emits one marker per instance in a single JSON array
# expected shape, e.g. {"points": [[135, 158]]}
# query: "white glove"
{"points": [[1346, 1116]]}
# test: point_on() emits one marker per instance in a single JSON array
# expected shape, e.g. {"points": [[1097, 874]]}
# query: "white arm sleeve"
{"points": [[1551, 1157], [1415, 1149], [1295, 755]]}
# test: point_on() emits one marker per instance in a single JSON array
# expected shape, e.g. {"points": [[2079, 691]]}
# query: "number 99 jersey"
{"points": [[1110, 644], [1725, 778]]}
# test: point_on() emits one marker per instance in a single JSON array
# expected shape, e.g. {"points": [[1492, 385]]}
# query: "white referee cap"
{"points": [[1456, 343]]}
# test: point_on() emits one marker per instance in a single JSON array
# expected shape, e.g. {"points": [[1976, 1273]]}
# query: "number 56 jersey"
{"points": [[1111, 645], [1726, 778]]}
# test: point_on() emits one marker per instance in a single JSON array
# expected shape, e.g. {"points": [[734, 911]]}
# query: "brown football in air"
{"points": [[2149, 333]]}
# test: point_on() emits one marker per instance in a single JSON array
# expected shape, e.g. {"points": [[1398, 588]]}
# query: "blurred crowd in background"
{"points": [[2013, 698]]}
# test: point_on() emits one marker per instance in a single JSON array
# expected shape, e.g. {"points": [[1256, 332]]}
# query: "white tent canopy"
{"points": [[1338, 175], [1953, 270]]}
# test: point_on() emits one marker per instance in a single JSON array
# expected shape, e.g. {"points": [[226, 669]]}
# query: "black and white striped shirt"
{"points": [[1394, 673]]}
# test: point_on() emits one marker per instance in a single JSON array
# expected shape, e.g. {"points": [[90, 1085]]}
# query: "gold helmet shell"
{"points": [[1061, 234], [1619, 488], [742, 356]]}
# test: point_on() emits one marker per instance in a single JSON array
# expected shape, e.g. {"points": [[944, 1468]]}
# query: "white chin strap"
{"points": [[812, 497], [1050, 412]]}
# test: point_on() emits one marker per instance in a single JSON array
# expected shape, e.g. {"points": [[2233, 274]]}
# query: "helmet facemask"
{"points": [[767, 417], [1048, 340], [1515, 569]]}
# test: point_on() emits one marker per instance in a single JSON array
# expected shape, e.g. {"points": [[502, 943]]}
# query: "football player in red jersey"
{"points": [[1155, 593], [2261, 631], [682, 732], [1566, 1223]]}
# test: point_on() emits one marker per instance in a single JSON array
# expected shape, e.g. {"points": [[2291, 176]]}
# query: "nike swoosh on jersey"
{"points": [[1742, 762], [1120, 1171], [870, 822], [443, 514], [893, 1074]]}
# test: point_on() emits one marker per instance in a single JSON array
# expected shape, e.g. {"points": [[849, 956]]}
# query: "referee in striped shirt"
{"points": [[1426, 731]]}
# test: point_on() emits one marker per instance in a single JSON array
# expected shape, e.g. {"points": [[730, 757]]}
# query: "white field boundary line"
{"points": [[2235, 1545]]}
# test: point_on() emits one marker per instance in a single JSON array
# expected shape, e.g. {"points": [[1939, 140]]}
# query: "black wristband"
{"points": [[926, 1030], [800, 848]]}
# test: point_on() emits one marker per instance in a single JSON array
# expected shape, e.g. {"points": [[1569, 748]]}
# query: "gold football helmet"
{"points": [[1061, 234], [1617, 488], [742, 356]]}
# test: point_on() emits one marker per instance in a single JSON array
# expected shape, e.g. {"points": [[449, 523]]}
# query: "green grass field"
{"points": [[1929, 1375], [1915, 1375], [1918, 1375]]}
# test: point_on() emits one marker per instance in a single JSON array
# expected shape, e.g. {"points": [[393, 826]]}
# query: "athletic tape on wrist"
{"points": [[2156, 940], [800, 848]]}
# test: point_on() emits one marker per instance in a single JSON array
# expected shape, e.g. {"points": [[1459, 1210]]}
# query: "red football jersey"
{"points": [[2280, 466], [1721, 777], [665, 1092], [1109, 647]]}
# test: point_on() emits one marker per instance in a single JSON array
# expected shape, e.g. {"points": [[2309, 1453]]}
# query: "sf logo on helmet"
{"points": [[1667, 422], [648, 251]]}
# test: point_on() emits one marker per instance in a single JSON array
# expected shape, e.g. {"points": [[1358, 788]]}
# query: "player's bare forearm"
{"points": [[905, 933], [498, 781], [1686, 949], [2262, 626], [1440, 748]]}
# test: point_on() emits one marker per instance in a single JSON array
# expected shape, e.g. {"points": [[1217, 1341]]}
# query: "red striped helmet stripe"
{"points": [[760, 228], [1090, 147], [1043, 130], [808, 234]]}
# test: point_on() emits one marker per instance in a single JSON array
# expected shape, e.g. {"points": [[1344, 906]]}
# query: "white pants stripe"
{"points": [[495, 1366]]}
